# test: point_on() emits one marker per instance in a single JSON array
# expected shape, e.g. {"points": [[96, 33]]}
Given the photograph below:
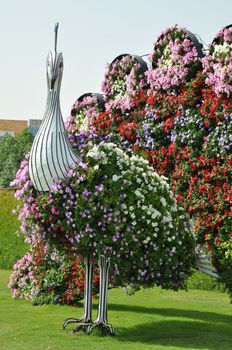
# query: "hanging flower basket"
{"points": [[83, 110], [124, 78], [176, 58], [80, 123], [218, 64]]}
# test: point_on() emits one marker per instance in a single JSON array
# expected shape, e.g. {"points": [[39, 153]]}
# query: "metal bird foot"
{"points": [[85, 323], [104, 328], [81, 324]]}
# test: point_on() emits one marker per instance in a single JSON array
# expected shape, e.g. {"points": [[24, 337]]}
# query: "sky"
{"points": [[91, 33]]}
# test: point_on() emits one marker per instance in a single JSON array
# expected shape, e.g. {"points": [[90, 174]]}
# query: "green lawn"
{"points": [[151, 319]]}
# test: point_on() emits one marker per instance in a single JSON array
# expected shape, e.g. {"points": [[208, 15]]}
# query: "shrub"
{"points": [[12, 150], [199, 280]]}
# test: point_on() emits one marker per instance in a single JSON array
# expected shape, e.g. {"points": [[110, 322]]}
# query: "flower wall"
{"points": [[181, 121]]}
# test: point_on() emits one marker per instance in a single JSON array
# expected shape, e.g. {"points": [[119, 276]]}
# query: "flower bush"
{"points": [[226, 263], [218, 64], [116, 205], [43, 275], [46, 276], [175, 60]]}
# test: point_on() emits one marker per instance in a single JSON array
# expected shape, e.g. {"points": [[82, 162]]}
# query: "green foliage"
{"points": [[201, 281], [12, 150], [226, 264], [149, 320], [11, 247]]}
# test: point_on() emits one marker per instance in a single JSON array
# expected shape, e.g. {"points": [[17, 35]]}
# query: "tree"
{"points": [[12, 150]]}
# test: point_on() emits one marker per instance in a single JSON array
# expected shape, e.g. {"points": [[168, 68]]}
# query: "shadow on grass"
{"points": [[182, 328], [168, 312], [182, 334], [193, 329]]}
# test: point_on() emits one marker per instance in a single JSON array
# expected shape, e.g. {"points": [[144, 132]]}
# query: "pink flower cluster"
{"points": [[218, 64], [27, 194], [81, 110], [124, 78], [124, 104], [175, 60]]}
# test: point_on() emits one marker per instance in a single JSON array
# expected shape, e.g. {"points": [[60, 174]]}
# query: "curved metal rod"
{"points": [[56, 34]]}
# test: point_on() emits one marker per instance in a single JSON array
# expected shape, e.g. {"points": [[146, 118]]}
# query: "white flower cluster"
{"points": [[147, 182], [222, 50]]}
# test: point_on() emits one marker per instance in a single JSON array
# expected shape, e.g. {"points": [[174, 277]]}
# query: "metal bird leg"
{"points": [[101, 321], [86, 320]]}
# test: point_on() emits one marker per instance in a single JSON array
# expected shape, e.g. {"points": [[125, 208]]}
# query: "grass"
{"points": [[151, 319], [11, 246]]}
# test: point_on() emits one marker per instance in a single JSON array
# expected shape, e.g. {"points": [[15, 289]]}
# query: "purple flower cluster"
{"points": [[220, 139], [189, 129], [21, 280], [27, 194], [80, 123], [152, 134]]}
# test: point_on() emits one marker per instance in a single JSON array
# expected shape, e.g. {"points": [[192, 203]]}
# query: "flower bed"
{"points": [[187, 138]]}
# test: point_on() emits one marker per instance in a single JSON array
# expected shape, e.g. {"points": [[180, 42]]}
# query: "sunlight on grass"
{"points": [[150, 319]]}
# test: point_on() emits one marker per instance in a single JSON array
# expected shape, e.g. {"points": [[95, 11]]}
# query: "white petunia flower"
{"points": [[163, 201], [115, 178]]}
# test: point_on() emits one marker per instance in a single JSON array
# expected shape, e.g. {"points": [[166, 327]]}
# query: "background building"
{"points": [[13, 127]]}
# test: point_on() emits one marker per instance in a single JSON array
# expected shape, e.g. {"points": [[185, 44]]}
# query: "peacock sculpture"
{"points": [[51, 155], [125, 214]]}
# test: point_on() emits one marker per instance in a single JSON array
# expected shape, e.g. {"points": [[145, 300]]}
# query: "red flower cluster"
{"points": [[103, 122], [213, 106], [128, 130]]}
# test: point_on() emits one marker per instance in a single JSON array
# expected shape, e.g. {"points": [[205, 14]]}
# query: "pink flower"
{"points": [[54, 211]]}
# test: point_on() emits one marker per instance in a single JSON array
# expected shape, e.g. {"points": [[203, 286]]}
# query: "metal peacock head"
{"points": [[54, 65], [52, 155]]}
